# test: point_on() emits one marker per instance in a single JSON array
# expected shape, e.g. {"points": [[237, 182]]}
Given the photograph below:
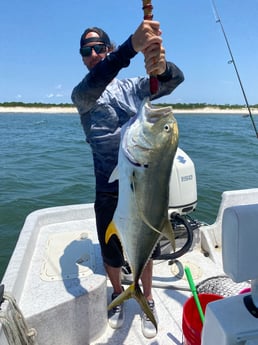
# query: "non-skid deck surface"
{"points": [[170, 292]]}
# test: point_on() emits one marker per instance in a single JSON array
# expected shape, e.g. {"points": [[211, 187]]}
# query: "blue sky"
{"points": [[39, 43]]}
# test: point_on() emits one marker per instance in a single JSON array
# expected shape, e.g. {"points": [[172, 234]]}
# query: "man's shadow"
{"points": [[77, 262]]}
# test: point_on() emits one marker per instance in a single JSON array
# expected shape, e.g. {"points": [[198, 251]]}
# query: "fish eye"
{"points": [[166, 128]]}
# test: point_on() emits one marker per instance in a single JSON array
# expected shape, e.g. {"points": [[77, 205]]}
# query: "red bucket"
{"points": [[192, 324]]}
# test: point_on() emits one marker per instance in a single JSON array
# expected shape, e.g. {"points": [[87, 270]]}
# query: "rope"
{"points": [[14, 325]]}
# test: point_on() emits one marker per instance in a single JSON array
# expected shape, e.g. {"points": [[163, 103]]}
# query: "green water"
{"points": [[45, 162]]}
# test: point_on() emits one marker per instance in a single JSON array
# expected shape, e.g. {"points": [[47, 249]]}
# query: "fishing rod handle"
{"points": [[147, 9]]}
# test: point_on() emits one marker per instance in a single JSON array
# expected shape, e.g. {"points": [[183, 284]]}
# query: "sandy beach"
{"points": [[73, 110], [31, 110], [214, 110]]}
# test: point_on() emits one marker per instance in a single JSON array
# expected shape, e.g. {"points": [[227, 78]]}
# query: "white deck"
{"points": [[169, 298], [42, 278]]}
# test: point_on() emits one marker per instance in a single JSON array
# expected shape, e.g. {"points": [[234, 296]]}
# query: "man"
{"points": [[105, 104]]}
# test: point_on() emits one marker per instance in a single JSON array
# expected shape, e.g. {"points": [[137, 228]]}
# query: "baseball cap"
{"points": [[103, 37]]}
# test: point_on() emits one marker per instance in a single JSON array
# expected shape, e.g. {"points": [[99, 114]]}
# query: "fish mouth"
{"points": [[153, 113]]}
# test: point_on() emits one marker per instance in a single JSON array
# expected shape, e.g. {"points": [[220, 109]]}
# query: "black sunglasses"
{"points": [[98, 48]]}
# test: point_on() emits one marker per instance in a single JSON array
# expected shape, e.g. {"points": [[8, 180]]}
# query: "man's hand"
{"points": [[147, 34], [147, 39], [154, 58]]}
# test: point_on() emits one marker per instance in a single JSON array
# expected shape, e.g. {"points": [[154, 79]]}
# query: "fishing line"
{"points": [[218, 20]]}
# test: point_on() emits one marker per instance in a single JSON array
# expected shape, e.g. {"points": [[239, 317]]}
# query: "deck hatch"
{"points": [[68, 255]]}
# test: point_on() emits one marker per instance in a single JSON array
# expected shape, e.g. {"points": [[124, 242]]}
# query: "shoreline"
{"points": [[73, 110], [35, 110]]}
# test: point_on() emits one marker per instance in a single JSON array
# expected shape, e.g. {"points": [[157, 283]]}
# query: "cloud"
{"points": [[59, 86], [54, 95], [50, 95], [19, 96]]}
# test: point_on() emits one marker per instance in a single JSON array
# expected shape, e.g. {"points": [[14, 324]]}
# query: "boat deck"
{"points": [[170, 292], [57, 277]]}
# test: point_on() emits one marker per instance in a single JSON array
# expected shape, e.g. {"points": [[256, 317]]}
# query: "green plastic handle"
{"points": [[194, 292]]}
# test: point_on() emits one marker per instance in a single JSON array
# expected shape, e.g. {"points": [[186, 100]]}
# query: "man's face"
{"points": [[94, 57]]}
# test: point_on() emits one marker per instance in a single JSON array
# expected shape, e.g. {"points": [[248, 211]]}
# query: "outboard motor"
{"points": [[182, 201], [182, 188]]}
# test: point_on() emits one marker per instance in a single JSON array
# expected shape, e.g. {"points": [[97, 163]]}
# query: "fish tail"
{"points": [[128, 293], [135, 291], [138, 295]]}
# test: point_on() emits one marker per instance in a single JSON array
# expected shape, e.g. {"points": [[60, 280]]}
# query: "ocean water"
{"points": [[45, 162]]}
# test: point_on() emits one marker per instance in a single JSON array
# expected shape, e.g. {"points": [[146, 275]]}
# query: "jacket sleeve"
{"points": [[169, 80], [85, 94]]}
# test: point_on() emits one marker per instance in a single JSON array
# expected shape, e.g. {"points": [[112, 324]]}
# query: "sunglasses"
{"points": [[98, 48]]}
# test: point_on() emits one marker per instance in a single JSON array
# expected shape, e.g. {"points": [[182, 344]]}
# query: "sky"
{"points": [[39, 46]]}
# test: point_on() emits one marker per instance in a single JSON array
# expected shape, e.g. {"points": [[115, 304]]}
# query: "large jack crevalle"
{"points": [[148, 145]]}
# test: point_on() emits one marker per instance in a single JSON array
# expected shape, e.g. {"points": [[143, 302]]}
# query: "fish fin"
{"points": [[138, 295], [142, 216], [128, 293], [145, 220], [135, 291], [111, 230], [169, 233], [114, 175]]}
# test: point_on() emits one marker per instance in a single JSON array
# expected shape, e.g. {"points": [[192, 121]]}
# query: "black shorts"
{"points": [[112, 252]]}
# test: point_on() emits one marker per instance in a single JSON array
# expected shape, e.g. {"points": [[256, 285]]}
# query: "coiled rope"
{"points": [[14, 325]]}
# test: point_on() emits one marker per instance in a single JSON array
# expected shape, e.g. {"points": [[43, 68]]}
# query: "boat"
{"points": [[55, 290]]}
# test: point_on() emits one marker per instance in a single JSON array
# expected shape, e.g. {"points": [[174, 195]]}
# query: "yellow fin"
{"points": [[111, 230]]}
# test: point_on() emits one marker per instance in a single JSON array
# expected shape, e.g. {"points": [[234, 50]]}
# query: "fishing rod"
{"points": [[147, 10], [218, 20]]}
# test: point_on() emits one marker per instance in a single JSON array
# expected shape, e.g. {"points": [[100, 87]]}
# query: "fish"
{"points": [[147, 149]]}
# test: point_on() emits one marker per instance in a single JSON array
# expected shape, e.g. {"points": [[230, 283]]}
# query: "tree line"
{"points": [[35, 105], [174, 105], [206, 105]]}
